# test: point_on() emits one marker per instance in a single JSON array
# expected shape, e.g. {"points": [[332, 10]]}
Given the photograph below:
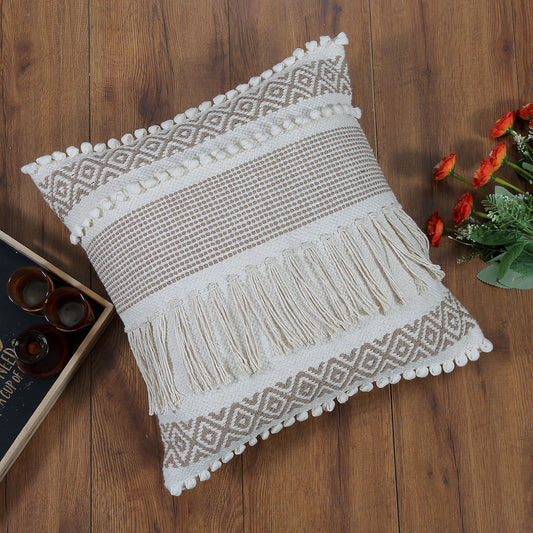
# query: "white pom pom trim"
{"points": [[86, 148], [127, 139], [204, 475], [113, 143], [423, 371], [60, 156], [167, 125], [204, 106], [44, 160], [72, 151]]}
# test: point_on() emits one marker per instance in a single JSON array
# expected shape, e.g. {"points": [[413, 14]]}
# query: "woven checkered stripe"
{"points": [[189, 441], [66, 186], [203, 224]]}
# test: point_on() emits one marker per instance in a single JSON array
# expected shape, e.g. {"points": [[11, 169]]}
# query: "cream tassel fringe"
{"points": [[286, 304], [151, 353], [334, 293], [306, 326], [246, 314], [310, 294], [361, 263], [411, 254], [278, 325], [380, 258], [203, 323], [200, 378], [354, 284], [247, 356]]}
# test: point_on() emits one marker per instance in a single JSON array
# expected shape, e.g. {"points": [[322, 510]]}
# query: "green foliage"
{"points": [[507, 258], [512, 280], [509, 211], [524, 262], [493, 236], [505, 239]]}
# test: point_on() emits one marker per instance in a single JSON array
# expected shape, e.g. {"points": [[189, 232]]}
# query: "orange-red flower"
{"points": [[503, 125], [498, 156], [463, 208], [525, 112], [483, 174], [444, 168], [435, 228]]}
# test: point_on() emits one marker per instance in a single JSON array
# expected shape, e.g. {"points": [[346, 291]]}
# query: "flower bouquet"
{"points": [[501, 231]]}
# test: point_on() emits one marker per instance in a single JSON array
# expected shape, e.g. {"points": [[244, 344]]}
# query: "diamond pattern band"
{"points": [[189, 441]]}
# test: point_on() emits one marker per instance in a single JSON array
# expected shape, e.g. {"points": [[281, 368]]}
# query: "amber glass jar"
{"points": [[29, 287], [67, 309], [41, 351]]}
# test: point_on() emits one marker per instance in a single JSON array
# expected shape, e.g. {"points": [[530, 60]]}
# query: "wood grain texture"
{"points": [[449, 477], [45, 107], [523, 44], [451, 453]]}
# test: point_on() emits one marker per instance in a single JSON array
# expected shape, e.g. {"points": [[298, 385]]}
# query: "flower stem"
{"points": [[507, 184], [520, 171], [464, 180], [460, 178], [481, 214]]}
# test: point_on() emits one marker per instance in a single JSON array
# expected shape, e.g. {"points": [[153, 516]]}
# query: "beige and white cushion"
{"points": [[259, 261]]}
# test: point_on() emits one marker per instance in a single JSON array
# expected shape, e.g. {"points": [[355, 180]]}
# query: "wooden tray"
{"points": [[25, 401]]}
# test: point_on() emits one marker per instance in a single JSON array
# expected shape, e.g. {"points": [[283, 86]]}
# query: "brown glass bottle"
{"points": [[41, 351]]}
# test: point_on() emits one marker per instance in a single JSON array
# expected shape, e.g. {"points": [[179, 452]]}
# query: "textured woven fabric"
{"points": [[259, 261]]}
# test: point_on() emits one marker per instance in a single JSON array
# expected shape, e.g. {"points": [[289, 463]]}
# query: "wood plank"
{"points": [[332, 457], [44, 109], [523, 21], [3, 506], [521, 305], [147, 65], [443, 74]]}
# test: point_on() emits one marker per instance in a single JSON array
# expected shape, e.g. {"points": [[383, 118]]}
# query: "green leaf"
{"points": [[511, 280], [524, 262], [490, 275], [527, 166], [508, 257], [494, 236], [502, 191], [515, 280]]}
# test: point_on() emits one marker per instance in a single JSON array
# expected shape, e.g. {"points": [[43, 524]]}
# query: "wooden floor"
{"points": [[451, 453]]}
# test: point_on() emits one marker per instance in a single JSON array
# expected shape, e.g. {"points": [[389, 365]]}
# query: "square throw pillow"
{"points": [[259, 261]]}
